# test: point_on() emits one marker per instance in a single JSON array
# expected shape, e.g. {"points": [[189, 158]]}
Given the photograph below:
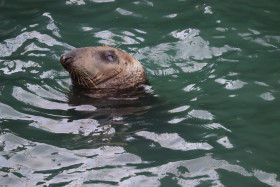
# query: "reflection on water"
{"points": [[46, 164], [12, 45], [173, 141], [209, 116]]}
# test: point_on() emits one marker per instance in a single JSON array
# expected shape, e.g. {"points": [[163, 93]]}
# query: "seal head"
{"points": [[103, 68]]}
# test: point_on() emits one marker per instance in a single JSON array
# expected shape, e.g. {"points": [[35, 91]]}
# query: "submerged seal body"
{"points": [[103, 68]]}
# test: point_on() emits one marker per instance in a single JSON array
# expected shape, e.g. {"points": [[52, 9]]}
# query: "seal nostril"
{"points": [[69, 57], [65, 59]]}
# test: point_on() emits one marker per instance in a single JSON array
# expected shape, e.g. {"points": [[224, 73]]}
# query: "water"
{"points": [[210, 117]]}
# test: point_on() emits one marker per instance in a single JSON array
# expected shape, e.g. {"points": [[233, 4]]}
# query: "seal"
{"points": [[103, 68]]}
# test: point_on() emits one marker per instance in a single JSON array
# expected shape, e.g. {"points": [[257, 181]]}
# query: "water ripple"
{"points": [[173, 141], [205, 117], [12, 45], [47, 165]]}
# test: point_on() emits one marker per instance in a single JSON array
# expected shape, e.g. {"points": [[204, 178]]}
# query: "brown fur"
{"points": [[103, 68]]}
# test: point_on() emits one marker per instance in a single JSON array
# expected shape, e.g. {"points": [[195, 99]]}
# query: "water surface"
{"points": [[210, 116]]}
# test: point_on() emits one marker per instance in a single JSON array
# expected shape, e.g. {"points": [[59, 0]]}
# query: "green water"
{"points": [[210, 117]]}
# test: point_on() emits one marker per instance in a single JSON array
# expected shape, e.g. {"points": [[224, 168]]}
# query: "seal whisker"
{"points": [[84, 80], [99, 79], [89, 78], [72, 74], [110, 77], [81, 79], [78, 78]]}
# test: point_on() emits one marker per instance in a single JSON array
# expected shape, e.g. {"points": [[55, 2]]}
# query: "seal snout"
{"points": [[66, 59]]}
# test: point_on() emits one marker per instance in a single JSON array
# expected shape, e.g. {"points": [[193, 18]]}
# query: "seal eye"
{"points": [[110, 58]]}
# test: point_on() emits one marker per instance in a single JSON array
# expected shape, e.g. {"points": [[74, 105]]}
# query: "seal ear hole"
{"points": [[125, 63]]}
